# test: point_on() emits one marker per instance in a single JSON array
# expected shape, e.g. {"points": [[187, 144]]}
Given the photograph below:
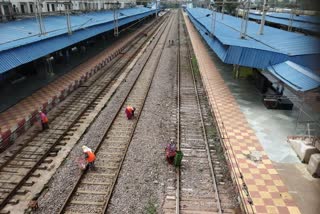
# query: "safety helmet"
{"points": [[85, 149]]}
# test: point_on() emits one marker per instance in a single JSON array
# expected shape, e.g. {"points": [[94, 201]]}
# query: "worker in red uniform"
{"points": [[130, 112], [44, 120], [171, 150], [90, 157]]}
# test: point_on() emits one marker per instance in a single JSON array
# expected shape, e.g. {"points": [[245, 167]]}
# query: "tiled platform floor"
{"points": [[247, 157], [22, 115]]}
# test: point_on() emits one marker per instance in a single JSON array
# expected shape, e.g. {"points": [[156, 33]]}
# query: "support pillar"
{"points": [[49, 66], [67, 55], [236, 71]]}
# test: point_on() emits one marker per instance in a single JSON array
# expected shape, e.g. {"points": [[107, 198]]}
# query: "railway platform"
{"points": [[21, 116], [260, 186]]}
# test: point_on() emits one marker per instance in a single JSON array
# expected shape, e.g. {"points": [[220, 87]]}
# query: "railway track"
{"points": [[20, 165], [199, 183], [93, 189]]}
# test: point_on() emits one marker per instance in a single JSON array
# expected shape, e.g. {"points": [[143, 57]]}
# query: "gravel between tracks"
{"points": [[141, 186], [142, 181], [63, 180], [153, 120]]}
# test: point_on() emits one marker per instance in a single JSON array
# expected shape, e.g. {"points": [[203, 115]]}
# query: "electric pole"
{"points": [[67, 6], [39, 17], [244, 23], [263, 18], [116, 19]]}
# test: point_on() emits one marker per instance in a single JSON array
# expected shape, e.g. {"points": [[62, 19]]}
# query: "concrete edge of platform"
{"points": [[12, 133]]}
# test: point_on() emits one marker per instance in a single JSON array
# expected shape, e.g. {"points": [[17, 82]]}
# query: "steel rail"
{"points": [[91, 81], [214, 180], [78, 182], [178, 120], [234, 167], [5, 142], [6, 199]]}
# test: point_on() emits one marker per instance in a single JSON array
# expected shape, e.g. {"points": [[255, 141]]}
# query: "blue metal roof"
{"points": [[25, 31], [296, 76], [22, 48], [296, 24], [259, 51], [301, 18]]}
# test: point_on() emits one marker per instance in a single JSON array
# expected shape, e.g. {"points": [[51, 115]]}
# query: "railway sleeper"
{"points": [[9, 171], [94, 203], [21, 192], [42, 167], [61, 143], [52, 154], [106, 166], [110, 153], [95, 183], [110, 159], [11, 182], [25, 159], [117, 145], [23, 164], [36, 175], [47, 161], [13, 201], [18, 166], [28, 183], [91, 178], [111, 175]]}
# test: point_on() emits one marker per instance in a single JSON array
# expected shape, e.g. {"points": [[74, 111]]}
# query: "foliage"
{"points": [[143, 2], [150, 208], [195, 65], [228, 6]]}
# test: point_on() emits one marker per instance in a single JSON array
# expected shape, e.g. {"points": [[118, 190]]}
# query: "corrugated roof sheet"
{"points": [[59, 39], [21, 32], [301, 18], [258, 51], [296, 76], [296, 24]]}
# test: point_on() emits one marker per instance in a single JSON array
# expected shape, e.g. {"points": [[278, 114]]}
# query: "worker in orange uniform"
{"points": [[130, 112], [44, 120], [90, 157]]}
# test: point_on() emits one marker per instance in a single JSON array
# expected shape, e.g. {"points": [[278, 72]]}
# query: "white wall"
{"points": [[58, 5]]}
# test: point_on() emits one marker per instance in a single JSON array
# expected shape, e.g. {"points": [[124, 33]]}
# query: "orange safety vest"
{"points": [[130, 109], [45, 120], [91, 157]]}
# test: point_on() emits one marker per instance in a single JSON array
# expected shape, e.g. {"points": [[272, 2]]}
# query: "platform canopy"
{"points": [[274, 46], [304, 23], [21, 42], [296, 76], [301, 18]]}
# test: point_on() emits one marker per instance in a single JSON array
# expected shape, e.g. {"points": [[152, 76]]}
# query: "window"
{"points": [[22, 9], [31, 8], [52, 7]]}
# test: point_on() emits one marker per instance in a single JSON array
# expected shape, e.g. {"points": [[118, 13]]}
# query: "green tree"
{"points": [[230, 7]]}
